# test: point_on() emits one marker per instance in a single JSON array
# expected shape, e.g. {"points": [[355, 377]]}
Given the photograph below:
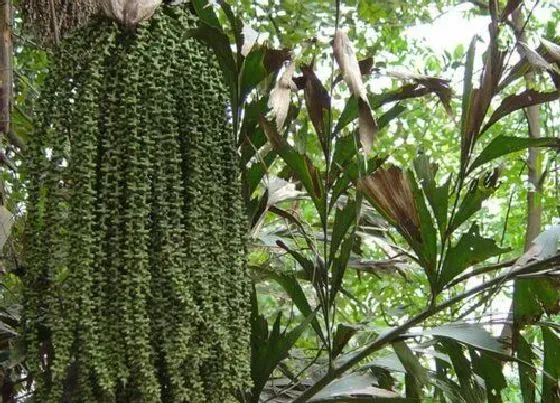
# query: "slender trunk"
{"points": [[6, 70], [532, 114], [6, 78], [534, 165], [534, 211]]}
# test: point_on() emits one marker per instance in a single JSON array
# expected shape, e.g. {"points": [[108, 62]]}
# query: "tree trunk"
{"points": [[534, 214], [6, 66]]}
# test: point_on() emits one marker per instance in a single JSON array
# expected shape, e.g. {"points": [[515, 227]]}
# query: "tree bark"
{"points": [[6, 66]]}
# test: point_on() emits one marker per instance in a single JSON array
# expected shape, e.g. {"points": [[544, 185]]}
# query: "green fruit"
{"points": [[137, 287]]}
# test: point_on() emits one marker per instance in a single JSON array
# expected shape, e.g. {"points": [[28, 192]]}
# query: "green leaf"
{"points": [[236, 26], [472, 335], [349, 114], [527, 372], [467, 84], [437, 195], [516, 102], [257, 65], [351, 109], [441, 378], [340, 264], [471, 249], [205, 12], [551, 366], [344, 231], [342, 336], [503, 145], [256, 171], [355, 387], [413, 368], [427, 248], [532, 298], [268, 349], [219, 43], [256, 208], [391, 114], [301, 165], [252, 71], [292, 287], [344, 150], [343, 220], [490, 368], [480, 189], [470, 389], [306, 264]]}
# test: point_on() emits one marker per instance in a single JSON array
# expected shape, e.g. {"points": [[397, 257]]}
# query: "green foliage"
{"points": [[470, 250], [136, 288], [340, 279], [551, 365], [269, 348]]}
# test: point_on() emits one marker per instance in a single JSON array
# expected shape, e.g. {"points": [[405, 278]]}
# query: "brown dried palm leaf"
{"points": [[390, 192]]}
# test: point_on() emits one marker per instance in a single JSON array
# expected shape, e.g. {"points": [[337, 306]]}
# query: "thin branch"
{"points": [[480, 271], [392, 335], [297, 383]]}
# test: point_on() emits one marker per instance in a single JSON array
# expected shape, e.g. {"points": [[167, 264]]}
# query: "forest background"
{"points": [[392, 203]]}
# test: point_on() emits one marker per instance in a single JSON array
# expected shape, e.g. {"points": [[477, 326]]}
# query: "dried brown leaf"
{"points": [[482, 97], [535, 59], [366, 65], [513, 103], [6, 223], [406, 92], [439, 86], [279, 100], [552, 50], [317, 101], [348, 63], [274, 59], [270, 132], [510, 8], [546, 57], [367, 127], [299, 82], [551, 53], [390, 191], [130, 12]]}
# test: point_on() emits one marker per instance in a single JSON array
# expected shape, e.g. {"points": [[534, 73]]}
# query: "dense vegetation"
{"points": [[393, 198]]}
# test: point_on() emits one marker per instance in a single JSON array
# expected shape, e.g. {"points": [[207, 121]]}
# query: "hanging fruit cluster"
{"points": [[137, 288]]}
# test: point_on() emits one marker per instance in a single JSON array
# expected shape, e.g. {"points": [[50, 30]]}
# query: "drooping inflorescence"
{"points": [[136, 288]]}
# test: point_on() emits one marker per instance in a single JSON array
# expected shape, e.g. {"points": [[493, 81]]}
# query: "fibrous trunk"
{"points": [[51, 20], [136, 287]]}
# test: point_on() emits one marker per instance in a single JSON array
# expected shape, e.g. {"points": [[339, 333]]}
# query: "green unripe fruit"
{"points": [[137, 287]]}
